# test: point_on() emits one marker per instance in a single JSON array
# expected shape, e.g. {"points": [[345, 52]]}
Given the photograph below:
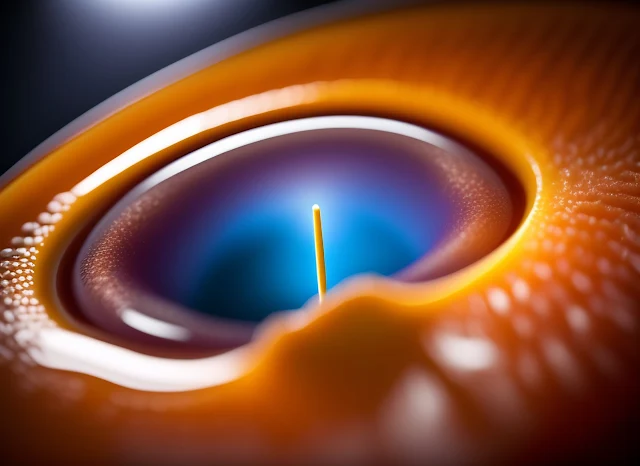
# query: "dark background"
{"points": [[60, 58]]}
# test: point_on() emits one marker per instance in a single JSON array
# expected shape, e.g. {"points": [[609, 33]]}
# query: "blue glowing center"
{"points": [[242, 233]]}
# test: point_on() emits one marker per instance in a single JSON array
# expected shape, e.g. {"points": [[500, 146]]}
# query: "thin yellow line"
{"points": [[320, 269]]}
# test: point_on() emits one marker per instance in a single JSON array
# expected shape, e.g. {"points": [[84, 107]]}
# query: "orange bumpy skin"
{"points": [[529, 354]]}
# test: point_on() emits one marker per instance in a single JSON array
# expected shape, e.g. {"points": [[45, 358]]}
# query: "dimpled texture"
{"points": [[154, 239], [536, 359]]}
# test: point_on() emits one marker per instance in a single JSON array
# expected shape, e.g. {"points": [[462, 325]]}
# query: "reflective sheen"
{"points": [[527, 356], [227, 230]]}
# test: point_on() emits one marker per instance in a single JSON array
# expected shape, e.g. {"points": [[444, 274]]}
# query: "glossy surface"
{"points": [[528, 355], [222, 238]]}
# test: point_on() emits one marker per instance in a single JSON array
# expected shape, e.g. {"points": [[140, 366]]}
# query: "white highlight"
{"points": [[498, 300], [191, 126], [578, 319], [161, 140], [542, 270], [237, 110], [152, 326], [416, 421], [464, 353], [520, 290], [296, 126], [61, 349]]}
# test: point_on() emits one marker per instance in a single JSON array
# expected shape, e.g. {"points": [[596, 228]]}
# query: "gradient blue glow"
{"points": [[236, 235]]}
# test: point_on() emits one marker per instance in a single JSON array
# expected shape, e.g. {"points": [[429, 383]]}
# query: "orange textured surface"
{"points": [[381, 371]]}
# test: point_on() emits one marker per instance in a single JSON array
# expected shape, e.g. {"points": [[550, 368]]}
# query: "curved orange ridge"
{"points": [[527, 354]]}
